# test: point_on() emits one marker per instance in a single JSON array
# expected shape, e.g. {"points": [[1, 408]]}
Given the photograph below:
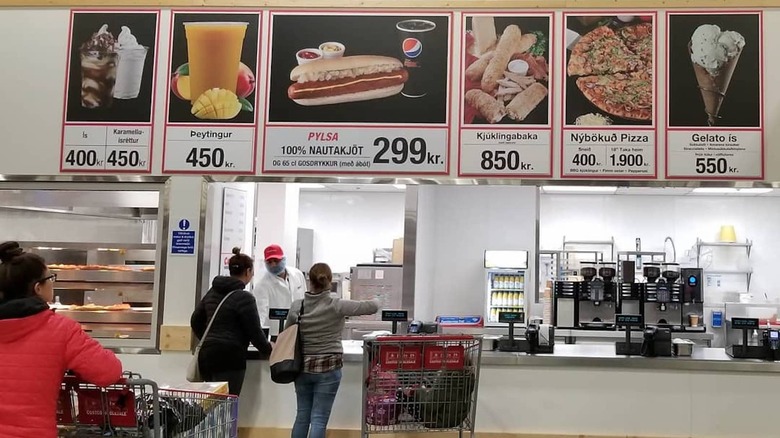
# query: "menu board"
{"points": [[375, 92], [715, 103], [505, 99], [211, 122], [234, 205], [609, 81], [356, 93], [109, 92]]}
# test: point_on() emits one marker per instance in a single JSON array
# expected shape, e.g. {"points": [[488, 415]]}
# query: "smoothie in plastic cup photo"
{"points": [[214, 54]]}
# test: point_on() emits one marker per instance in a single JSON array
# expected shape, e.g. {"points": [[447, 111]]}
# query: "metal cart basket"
{"points": [[137, 407], [420, 383]]}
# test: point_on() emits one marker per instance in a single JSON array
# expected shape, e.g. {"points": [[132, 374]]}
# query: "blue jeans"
{"points": [[316, 394]]}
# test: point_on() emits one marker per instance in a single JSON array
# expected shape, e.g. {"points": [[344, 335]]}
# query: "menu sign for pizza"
{"points": [[109, 92], [609, 79], [506, 109], [715, 103], [358, 94], [211, 123]]}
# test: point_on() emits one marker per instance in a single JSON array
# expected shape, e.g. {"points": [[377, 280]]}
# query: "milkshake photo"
{"points": [[111, 71], [130, 70]]}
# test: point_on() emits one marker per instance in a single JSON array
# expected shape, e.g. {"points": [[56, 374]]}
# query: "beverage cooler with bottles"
{"points": [[505, 273]]}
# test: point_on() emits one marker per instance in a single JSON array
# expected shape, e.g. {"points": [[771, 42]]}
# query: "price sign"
{"points": [[505, 152], [744, 323], [511, 317], [356, 150], [395, 315], [278, 314], [609, 153], [216, 149], [106, 148], [627, 320], [714, 154]]}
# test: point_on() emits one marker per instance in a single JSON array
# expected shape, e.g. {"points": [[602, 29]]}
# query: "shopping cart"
{"points": [[420, 383], [137, 407], [196, 414]]}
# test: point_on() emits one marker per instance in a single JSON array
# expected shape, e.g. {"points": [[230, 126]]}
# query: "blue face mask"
{"points": [[278, 269]]}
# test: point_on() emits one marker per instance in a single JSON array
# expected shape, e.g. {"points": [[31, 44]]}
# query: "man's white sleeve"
{"points": [[261, 295]]}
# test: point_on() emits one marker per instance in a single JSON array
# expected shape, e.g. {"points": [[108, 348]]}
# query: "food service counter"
{"points": [[571, 336], [600, 356], [707, 395]]}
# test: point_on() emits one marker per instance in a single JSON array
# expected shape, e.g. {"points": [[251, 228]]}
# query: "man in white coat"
{"points": [[278, 287]]}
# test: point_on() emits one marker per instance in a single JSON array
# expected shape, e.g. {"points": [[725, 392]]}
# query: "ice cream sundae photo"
{"points": [[714, 55], [110, 67]]}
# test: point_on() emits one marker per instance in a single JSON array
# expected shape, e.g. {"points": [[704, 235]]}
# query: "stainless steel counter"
{"points": [[603, 356], [575, 335]]}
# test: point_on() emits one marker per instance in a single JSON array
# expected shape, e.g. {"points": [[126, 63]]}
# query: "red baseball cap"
{"points": [[273, 252]]}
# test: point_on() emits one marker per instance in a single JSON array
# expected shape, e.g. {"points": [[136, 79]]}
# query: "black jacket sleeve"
{"points": [[198, 320], [250, 322]]}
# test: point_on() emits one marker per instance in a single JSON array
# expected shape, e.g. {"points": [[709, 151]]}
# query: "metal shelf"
{"points": [[748, 274], [747, 245], [144, 277], [590, 242], [507, 290], [109, 317], [89, 246], [727, 272], [642, 253]]}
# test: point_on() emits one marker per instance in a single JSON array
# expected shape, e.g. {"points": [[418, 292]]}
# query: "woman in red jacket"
{"points": [[38, 346]]}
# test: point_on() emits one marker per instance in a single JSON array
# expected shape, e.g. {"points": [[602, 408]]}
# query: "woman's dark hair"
{"points": [[239, 263], [19, 271], [320, 277]]}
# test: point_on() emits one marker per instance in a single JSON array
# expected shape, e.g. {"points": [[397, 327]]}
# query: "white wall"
{"points": [[684, 218], [425, 254], [186, 194], [456, 224], [349, 225], [276, 209]]}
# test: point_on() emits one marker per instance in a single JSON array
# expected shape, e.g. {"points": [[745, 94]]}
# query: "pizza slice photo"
{"points": [[609, 70]]}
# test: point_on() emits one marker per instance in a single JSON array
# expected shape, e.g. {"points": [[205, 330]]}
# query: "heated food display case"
{"points": [[104, 244], [108, 288]]}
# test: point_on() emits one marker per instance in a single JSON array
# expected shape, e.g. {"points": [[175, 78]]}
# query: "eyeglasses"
{"points": [[52, 277]]}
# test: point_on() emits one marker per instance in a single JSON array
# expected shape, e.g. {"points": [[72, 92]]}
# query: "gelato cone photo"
{"points": [[714, 55]]}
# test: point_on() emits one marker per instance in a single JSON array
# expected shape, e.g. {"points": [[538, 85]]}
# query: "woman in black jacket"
{"points": [[224, 351]]}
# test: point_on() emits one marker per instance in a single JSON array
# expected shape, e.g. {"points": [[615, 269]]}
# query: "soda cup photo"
{"points": [[413, 34]]}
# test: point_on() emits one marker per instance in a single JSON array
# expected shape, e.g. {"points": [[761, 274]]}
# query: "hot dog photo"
{"points": [[506, 77], [357, 68]]}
